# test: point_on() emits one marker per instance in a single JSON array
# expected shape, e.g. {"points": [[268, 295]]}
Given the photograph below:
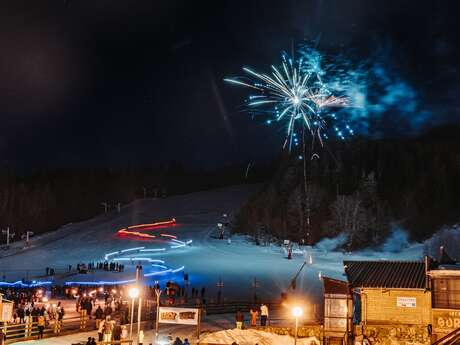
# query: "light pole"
{"points": [[139, 307], [220, 285], [133, 293], [297, 312], [255, 285], [158, 294], [139, 312]]}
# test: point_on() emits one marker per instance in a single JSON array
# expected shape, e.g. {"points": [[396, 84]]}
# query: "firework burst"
{"points": [[296, 94]]}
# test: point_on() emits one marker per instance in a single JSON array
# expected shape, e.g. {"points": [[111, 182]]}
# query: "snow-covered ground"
{"points": [[252, 336], [216, 336], [208, 260]]}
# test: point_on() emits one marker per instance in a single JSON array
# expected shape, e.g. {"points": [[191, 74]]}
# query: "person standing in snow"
{"points": [[2, 336], [263, 315], [99, 316], [60, 315], [108, 329], [116, 331], [140, 340], [254, 313], [124, 332], [41, 326], [178, 341], [239, 319], [100, 331]]}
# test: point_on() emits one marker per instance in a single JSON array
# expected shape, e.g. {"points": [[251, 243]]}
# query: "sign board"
{"points": [[179, 316], [446, 320], [6, 311], [406, 302]]}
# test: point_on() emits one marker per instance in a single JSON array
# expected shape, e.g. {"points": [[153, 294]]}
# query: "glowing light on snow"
{"points": [[20, 283], [131, 249]]}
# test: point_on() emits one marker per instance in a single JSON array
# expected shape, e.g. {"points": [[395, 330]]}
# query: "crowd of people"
{"points": [[29, 313], [101, 265], [178, 341], [112, 305], [254, 315], [32, 304], [109, 330]]}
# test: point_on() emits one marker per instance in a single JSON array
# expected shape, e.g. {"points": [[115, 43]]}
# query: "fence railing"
{"points": [[31, 330], [82, 322], [451, 338]]}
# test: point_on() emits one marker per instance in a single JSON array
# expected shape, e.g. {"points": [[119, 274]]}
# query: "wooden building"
{"points": [[337, 310], [444, 282], [395, 302], [391, 291]]}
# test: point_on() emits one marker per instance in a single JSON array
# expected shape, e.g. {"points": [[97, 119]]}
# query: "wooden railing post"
{"points": [[83, 318]]}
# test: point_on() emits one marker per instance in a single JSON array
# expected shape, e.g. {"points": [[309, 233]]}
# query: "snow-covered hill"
{"points": [[208, 260]]}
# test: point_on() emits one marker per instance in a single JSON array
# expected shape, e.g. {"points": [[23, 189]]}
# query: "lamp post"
{"points": [[158, 294], [139, 313], [139, 301], [297, 312], [133, 293]]}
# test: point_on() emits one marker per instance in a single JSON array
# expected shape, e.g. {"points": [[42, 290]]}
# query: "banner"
{"points": [[6, 311], [180, 316]]}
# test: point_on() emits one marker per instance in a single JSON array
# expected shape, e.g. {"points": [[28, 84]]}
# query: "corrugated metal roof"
{"points": [[335, 286], [386, 274]]}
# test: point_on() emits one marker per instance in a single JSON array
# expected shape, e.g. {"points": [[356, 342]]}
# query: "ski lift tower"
{"points": [[9, 235], [27, 235]]}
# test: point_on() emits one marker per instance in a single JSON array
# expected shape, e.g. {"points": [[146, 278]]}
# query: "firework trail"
{"points": [[296, 93]]}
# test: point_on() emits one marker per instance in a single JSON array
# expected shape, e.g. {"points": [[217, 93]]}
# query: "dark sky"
{"points": [[110, 82]]}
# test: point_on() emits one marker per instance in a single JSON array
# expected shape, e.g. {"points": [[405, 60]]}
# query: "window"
{"points": [[446, 293]]}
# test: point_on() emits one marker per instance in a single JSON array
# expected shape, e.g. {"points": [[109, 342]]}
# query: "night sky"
{"points": [[109, 82]]}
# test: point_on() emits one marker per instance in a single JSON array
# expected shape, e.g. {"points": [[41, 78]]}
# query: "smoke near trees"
{"points": [[362, 189]]}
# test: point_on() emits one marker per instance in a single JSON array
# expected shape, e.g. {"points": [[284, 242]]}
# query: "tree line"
{"points": [[45, 200], [360, 188]]}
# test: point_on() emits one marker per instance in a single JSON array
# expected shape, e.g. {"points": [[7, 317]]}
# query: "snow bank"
{"points": [[252, 337]]}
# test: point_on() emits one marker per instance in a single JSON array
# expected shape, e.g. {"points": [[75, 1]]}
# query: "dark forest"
{"points": [[362, 188]]}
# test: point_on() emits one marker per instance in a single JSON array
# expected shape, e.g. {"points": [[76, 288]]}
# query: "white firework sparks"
{"points": [[295, 92]]}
